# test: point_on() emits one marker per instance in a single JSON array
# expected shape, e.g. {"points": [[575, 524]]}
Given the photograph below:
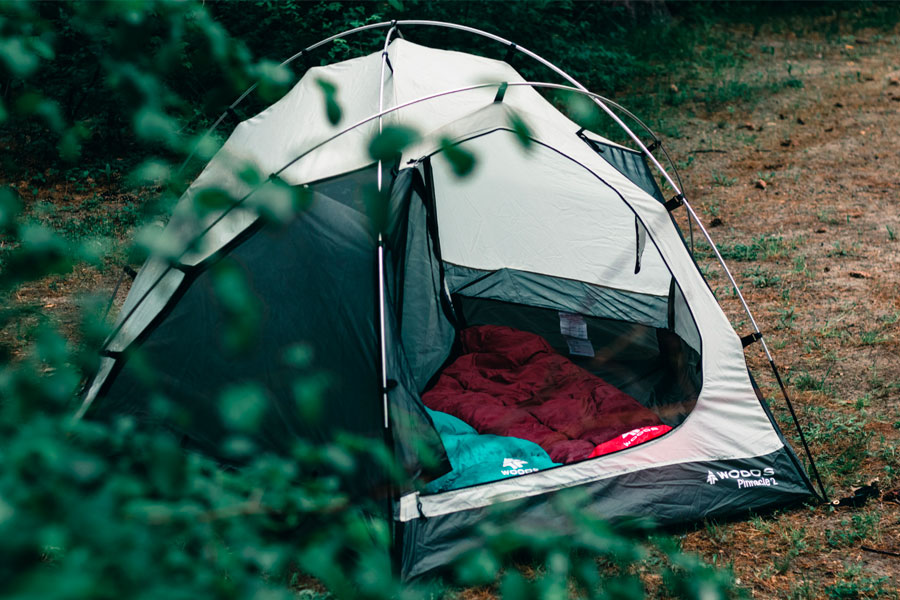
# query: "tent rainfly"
{"points": [[534, 325]]}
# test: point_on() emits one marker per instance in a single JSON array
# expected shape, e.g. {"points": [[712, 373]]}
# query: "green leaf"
{"points": [[274, 80], [242, 407], [241, 305], [70, 143], [19, 58], [155, 126], [461, 161], [298, 355], [583, 111], [332, 108], [10, 208], [521, 129], [391, 142]]}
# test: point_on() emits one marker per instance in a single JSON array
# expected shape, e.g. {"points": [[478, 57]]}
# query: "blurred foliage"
{"points": [[114, 509]]}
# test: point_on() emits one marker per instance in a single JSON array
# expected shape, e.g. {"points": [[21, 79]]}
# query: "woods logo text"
{"points": [[745, 478]]}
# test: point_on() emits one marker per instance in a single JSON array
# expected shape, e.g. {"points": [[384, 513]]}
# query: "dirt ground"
{"points": [[798, 182], [801, 190]]}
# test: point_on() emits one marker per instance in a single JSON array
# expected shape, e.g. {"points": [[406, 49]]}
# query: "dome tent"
{"points": [[557, 233]]}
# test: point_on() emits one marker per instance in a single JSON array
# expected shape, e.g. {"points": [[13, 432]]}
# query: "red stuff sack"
{"points": [[630, 438]]}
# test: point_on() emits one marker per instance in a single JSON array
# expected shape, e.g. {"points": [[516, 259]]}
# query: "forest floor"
{"points": [[800, 190], [795, 171]]}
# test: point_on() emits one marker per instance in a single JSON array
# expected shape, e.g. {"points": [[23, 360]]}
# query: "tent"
{"points": [[535, 325]]}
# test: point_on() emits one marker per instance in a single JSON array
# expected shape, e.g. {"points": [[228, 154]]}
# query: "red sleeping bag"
{"points": [[511, 382]]}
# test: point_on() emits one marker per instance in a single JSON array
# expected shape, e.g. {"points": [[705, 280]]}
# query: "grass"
{"points": [[845, 441], [856, 582], [796, 539], [807, 382], [785, 318], [827, 217], [870, 338], [761, 278], [723, 180], [91, 218], [855, 529], [840, 250], [760, 248]]}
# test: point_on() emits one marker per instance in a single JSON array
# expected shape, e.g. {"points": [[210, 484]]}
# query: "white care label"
{"points": [[573, 326], [580, 347]]}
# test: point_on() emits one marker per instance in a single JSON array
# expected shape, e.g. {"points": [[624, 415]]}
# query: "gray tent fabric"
{"points": [[629, 163], [672, 494], [328, 249], [426, 330], [569, 223]]}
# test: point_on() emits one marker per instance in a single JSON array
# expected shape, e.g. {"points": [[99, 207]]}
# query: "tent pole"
{"points": [[381, 330], [384, 60], [393, 24], [284, 63], [378, 115], [392, 492], [809, 455]]}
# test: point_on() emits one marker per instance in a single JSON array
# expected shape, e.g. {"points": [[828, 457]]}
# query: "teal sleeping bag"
{"points": [[480, 458]]}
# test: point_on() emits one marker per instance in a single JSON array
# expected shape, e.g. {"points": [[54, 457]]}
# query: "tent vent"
{"points": [[674, 203]]}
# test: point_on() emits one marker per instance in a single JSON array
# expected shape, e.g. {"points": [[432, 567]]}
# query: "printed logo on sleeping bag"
{"points": [[513, 466], [629, 438], [745, 478]]}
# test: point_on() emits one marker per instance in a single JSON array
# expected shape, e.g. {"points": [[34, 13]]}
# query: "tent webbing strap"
{"points": [[673, 203], [812, 462], [750, 338], [501, 92], [510, 53]]}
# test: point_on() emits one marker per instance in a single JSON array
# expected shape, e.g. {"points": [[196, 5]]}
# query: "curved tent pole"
{"points": [[473, 30], [393, 493], [284, 63], [601, 101], [384, 62]]}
